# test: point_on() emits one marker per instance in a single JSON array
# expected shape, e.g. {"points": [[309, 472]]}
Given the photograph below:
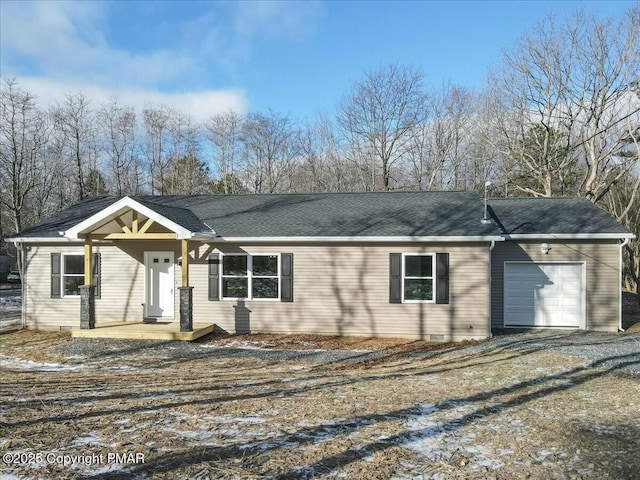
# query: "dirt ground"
{"points": [[420, 410]]}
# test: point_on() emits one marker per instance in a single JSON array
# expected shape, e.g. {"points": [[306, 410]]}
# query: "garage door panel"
{"points": [[543, 294]]}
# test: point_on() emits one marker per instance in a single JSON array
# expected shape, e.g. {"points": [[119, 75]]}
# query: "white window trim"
{"points": [[433, 276], [63, 274], [249, 276]]}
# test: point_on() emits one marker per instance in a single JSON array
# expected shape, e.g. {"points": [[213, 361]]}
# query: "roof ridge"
{"points": [[577, 197], [304, 193]]}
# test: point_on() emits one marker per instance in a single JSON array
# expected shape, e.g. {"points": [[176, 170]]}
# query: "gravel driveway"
{"points": [[611, 351]]}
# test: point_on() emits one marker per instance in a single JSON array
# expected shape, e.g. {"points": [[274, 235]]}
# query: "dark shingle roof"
{"points": [[559, 215], [302, 215], [181, 215], [371, 214], [67, 218], [337, 214]]}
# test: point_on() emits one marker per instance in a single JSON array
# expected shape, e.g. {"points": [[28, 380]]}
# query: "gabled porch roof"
{"points": [[129, 219]]}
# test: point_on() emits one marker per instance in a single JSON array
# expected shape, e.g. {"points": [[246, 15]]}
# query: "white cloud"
{"points": [[292, 19], [229, 31], [200, 105], [55, 48], [64, 40]]}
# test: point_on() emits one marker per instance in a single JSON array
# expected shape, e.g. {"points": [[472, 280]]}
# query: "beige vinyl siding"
{"points": [[122, 287], [344, 290], [602, 275], [338, 290]]}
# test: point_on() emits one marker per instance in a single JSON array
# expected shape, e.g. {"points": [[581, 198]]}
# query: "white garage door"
{"points": [[543, 294]]}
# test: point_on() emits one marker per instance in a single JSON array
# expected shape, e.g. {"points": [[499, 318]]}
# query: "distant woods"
{"points": [[560, 115]]}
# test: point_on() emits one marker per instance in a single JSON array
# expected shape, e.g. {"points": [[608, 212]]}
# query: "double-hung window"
{"points": [[72, 274], [235, 276], [251, 277], [67, 274], [418, 274]]}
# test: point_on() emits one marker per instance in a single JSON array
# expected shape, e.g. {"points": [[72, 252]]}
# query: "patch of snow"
{"points": [[261, 445], [261, 346], [200, 435], [250, 419], [12, 363], [93, 438], [438, 434], [12, 303]]}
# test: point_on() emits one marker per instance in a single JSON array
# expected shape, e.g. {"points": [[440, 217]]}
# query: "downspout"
{"points": [[23, 277], [491, 247], [620, 329]]}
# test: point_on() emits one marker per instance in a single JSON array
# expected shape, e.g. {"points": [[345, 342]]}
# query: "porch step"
{"points": [[144, 331]]}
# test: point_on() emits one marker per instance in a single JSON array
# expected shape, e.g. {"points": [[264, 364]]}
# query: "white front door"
{"points": [[159, 284]]}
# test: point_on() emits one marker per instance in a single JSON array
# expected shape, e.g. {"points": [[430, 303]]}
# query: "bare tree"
{"points": [[184, 149], [436, 151], [188, 176], [156, 126], [379, 116], [74, 127], [270, 150], [24, 131], [528, 102], [563, 103], [605, 107], [223, 132], [117, 128]]}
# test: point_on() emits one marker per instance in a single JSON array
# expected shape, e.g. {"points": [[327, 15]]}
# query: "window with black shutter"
{"points": [[418, 277]]}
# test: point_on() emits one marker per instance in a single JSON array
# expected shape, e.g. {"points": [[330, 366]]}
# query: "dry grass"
{"points": [[497, 414]]}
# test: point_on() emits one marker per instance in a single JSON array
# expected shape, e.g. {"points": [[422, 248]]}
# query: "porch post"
{"points": [[186, 309], [185, 263], [87, 291], [186, 292]]}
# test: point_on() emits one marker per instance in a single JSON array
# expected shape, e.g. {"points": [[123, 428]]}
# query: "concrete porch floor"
{"points": [[147, 331]]}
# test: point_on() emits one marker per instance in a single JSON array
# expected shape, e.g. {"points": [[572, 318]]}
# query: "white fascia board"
{"points": [[25, 240], [118, 208], [569, 236], [363, 239], [42, 240]]}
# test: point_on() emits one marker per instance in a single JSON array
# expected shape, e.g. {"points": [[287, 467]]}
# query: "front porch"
{"points": [[130, 221], [147, 331]]}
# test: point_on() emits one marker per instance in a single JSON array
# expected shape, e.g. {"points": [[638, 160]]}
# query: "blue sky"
{"points": [[296, 58]]}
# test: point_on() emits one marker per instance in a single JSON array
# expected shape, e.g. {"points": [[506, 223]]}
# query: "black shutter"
{"points": [[95, 265], [214, 275], [286, 277], [55, 275], [442, 278], [395, 278]]}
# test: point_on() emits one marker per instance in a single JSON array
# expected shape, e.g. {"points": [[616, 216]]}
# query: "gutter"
{"points": [[18, 240], [354, 239], [34, 240], [567, 236], [622, 245], [214, 238]]}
